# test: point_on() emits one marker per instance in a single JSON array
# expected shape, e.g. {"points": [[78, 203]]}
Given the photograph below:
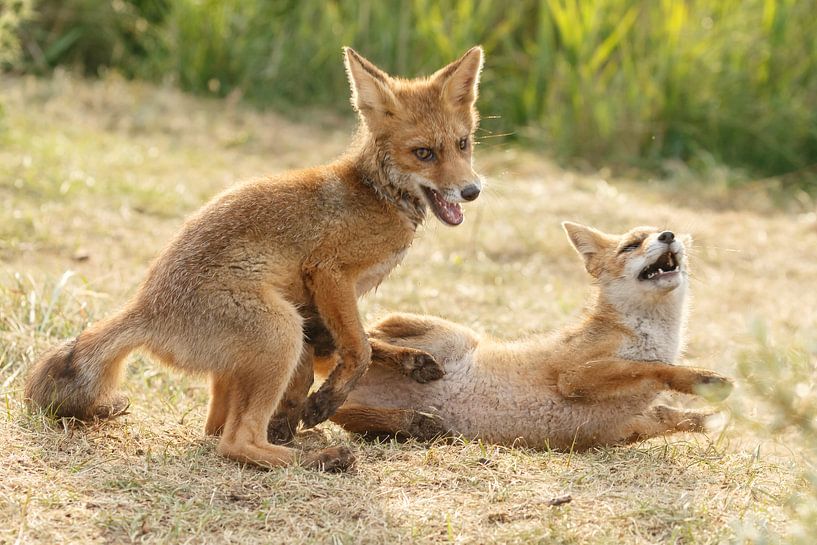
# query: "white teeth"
{"points": [[660, 270]]}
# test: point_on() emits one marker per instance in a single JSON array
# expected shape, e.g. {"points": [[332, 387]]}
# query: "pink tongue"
{"points": [[449, 211]]}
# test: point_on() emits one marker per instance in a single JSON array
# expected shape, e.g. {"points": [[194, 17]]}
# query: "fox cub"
{"points": [[590, 384], [269, 272]]}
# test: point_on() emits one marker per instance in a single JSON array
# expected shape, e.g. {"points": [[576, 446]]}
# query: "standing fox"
{"points": [[591, 384], [271, 269]]}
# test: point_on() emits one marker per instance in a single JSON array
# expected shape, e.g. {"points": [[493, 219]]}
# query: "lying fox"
{"points": [[586, 385], [272, 269]]}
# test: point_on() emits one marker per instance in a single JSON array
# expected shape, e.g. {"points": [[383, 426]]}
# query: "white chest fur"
{"points": [[657, 333], [652, 341], [373, 276]]}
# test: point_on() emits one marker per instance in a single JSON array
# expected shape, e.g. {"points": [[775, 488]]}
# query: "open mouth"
{"points": [[447, 212], [665, 265]]}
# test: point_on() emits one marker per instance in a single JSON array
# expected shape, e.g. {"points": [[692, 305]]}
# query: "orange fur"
{"points": [[268, 273], [590, 384]]}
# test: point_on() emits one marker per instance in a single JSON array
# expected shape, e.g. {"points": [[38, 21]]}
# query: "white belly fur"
{"points": [[496, 405]]}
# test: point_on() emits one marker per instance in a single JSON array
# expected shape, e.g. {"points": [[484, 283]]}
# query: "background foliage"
{"points": [[12, 15], [616, 82]]}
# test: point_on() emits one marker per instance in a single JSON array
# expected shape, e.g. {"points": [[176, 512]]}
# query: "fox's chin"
{"points": [[665, 283], [450, 213]]}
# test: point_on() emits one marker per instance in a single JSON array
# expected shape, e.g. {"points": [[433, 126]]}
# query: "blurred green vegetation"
{"points": [[608, 82], [783, 383], [13, 13]]}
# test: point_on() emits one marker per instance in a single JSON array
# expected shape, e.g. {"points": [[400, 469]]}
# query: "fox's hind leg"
{"points": [[264, 351], [663, 420], [414, 363], [418, 346], [285, 422], [244, 436], [406, 326], [381, 421], [219, 403]]}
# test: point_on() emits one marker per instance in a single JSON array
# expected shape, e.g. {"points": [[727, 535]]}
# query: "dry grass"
{"points": [[94, 178]]}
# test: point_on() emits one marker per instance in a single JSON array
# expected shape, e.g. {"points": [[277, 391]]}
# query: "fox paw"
{"points": [[715, 422], [426, 426], [334, 459], [116, 406], [280, 431], [713, 387], [320, 406], [422, 367]]}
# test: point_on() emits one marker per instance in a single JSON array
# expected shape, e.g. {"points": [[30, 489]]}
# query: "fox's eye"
{"points": [[633, 245], [463, 143], [424, 154]]}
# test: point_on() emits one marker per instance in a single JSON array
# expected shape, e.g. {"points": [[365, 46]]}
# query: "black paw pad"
{"points": [[426, 369]]}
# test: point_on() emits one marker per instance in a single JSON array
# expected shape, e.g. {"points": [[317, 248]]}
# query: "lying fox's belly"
{"points": [[504, 409]]}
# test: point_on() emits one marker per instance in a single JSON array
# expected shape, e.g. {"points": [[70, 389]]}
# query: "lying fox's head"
{"points": [[641, 263], [423, 129]]}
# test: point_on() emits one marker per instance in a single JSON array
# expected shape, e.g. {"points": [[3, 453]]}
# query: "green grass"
{"points": [[155, 155], [13, 13], [600, 82]]}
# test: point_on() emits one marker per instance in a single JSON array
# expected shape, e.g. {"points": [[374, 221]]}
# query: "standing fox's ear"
{"points": [[371, 89], [587, 241], [460, 79]]}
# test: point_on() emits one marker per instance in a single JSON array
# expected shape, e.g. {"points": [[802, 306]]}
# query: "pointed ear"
{"points": [[460, 79], [372, 95], [587, 241]]}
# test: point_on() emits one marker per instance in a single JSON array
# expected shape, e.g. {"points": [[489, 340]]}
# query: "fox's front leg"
{"points": [[611, 378], [335, 298]]}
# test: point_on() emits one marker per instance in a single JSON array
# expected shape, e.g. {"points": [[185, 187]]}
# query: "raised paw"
{"points": [[681, 420], [426, 426], [422, 367], [713, 387], [320, 406], [334, 459]]}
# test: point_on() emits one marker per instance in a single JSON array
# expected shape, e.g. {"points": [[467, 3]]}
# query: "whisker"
{"points": [[720, 248], [498, 135]]}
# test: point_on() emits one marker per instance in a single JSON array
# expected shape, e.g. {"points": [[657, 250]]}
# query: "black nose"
{"points": [[470, 193], [667, 237]]}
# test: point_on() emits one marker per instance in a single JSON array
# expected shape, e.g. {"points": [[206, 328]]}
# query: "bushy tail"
{"points": [[79, 377]]}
